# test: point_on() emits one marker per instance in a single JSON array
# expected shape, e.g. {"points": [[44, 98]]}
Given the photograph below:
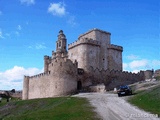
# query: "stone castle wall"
{"points": [[94, 49], [98, 35], [85, 52], [148, 74], [115, 57], [114, 78], [104, 38], [91, 60], [157, 73], [61, 79], [84, 41]]}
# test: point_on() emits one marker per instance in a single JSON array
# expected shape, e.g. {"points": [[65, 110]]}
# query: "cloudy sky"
{"points": [[29, 29]]}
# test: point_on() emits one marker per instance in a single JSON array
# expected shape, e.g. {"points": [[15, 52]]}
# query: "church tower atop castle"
{"points": [[61, 43]]}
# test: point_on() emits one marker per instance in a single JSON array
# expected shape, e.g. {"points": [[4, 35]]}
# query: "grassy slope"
{"points": [[149, 100], [63, 108]]}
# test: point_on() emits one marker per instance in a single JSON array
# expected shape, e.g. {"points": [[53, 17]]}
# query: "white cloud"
{"points": [[132, 57], [38, 46], [138, 64], [19, 27], [125, 66], [1, 34], [13, 78], [28, 2], [143, 64], [57, 9]]}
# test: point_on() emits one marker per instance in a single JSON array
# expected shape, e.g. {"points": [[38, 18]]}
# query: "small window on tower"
{"points": [[59, 44]]}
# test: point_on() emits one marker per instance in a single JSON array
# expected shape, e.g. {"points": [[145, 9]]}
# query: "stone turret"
{"points": [[61, 43], [46, 63], [148, 74], [25, 88]]}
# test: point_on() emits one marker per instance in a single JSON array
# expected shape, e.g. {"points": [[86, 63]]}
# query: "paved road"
{"points": [[111, 107]]}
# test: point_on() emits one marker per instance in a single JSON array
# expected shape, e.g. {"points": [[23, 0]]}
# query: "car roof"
{"points": [[124, 86]]}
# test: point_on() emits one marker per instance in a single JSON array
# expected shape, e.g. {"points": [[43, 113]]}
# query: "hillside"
{"points": [[62, 108], [147, 97]]}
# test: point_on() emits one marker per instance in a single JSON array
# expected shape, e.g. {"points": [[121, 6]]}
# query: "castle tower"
{"points": [[91, 49], [25, 88], [46, 63], [61, 43]]}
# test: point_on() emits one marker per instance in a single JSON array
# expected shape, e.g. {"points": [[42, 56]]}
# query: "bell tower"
{"points": [[61, 43]]}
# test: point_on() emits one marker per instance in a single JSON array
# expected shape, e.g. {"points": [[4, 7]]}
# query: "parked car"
{"points": [[124, 90]]}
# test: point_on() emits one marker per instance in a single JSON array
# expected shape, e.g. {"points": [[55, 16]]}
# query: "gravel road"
{"points": [[111, 107]]}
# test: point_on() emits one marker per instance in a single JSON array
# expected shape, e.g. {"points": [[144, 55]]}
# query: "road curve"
{"points": [[111, 107]]}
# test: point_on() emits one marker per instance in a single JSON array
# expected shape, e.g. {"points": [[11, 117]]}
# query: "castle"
{"points": [[89, 61]]}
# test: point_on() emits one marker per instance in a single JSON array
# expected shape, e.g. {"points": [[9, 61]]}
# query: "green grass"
{"points": [[149, 100], [158, 78], [62, 108]]}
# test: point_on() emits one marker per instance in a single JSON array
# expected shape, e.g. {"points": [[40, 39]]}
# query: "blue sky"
{"points": [[29, 29]]}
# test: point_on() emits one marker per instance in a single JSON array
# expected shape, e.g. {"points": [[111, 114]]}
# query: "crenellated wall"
{"points": [[61, 79], [84, 41], [148, 74], [115, 47], [114, 78]]}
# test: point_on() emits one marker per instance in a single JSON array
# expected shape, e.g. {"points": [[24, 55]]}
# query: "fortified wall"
{"points": [[115, 78], [110, 78], [59, 77], [148, 74], [58, 81], [157, 74], [91, 60]]}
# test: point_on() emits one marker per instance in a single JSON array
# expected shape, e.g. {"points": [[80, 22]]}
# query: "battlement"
{"points": [[84, 41], [114, 72], [39, 75], [59, 60], [53, 63], [95, 29], [65, 70], [115, 47]]}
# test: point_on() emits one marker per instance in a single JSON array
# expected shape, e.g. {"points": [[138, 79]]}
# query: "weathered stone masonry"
{"points": [[91, 60]]}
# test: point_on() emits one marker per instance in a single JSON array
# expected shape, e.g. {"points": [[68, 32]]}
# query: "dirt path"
{"points": [[111, 107]]}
